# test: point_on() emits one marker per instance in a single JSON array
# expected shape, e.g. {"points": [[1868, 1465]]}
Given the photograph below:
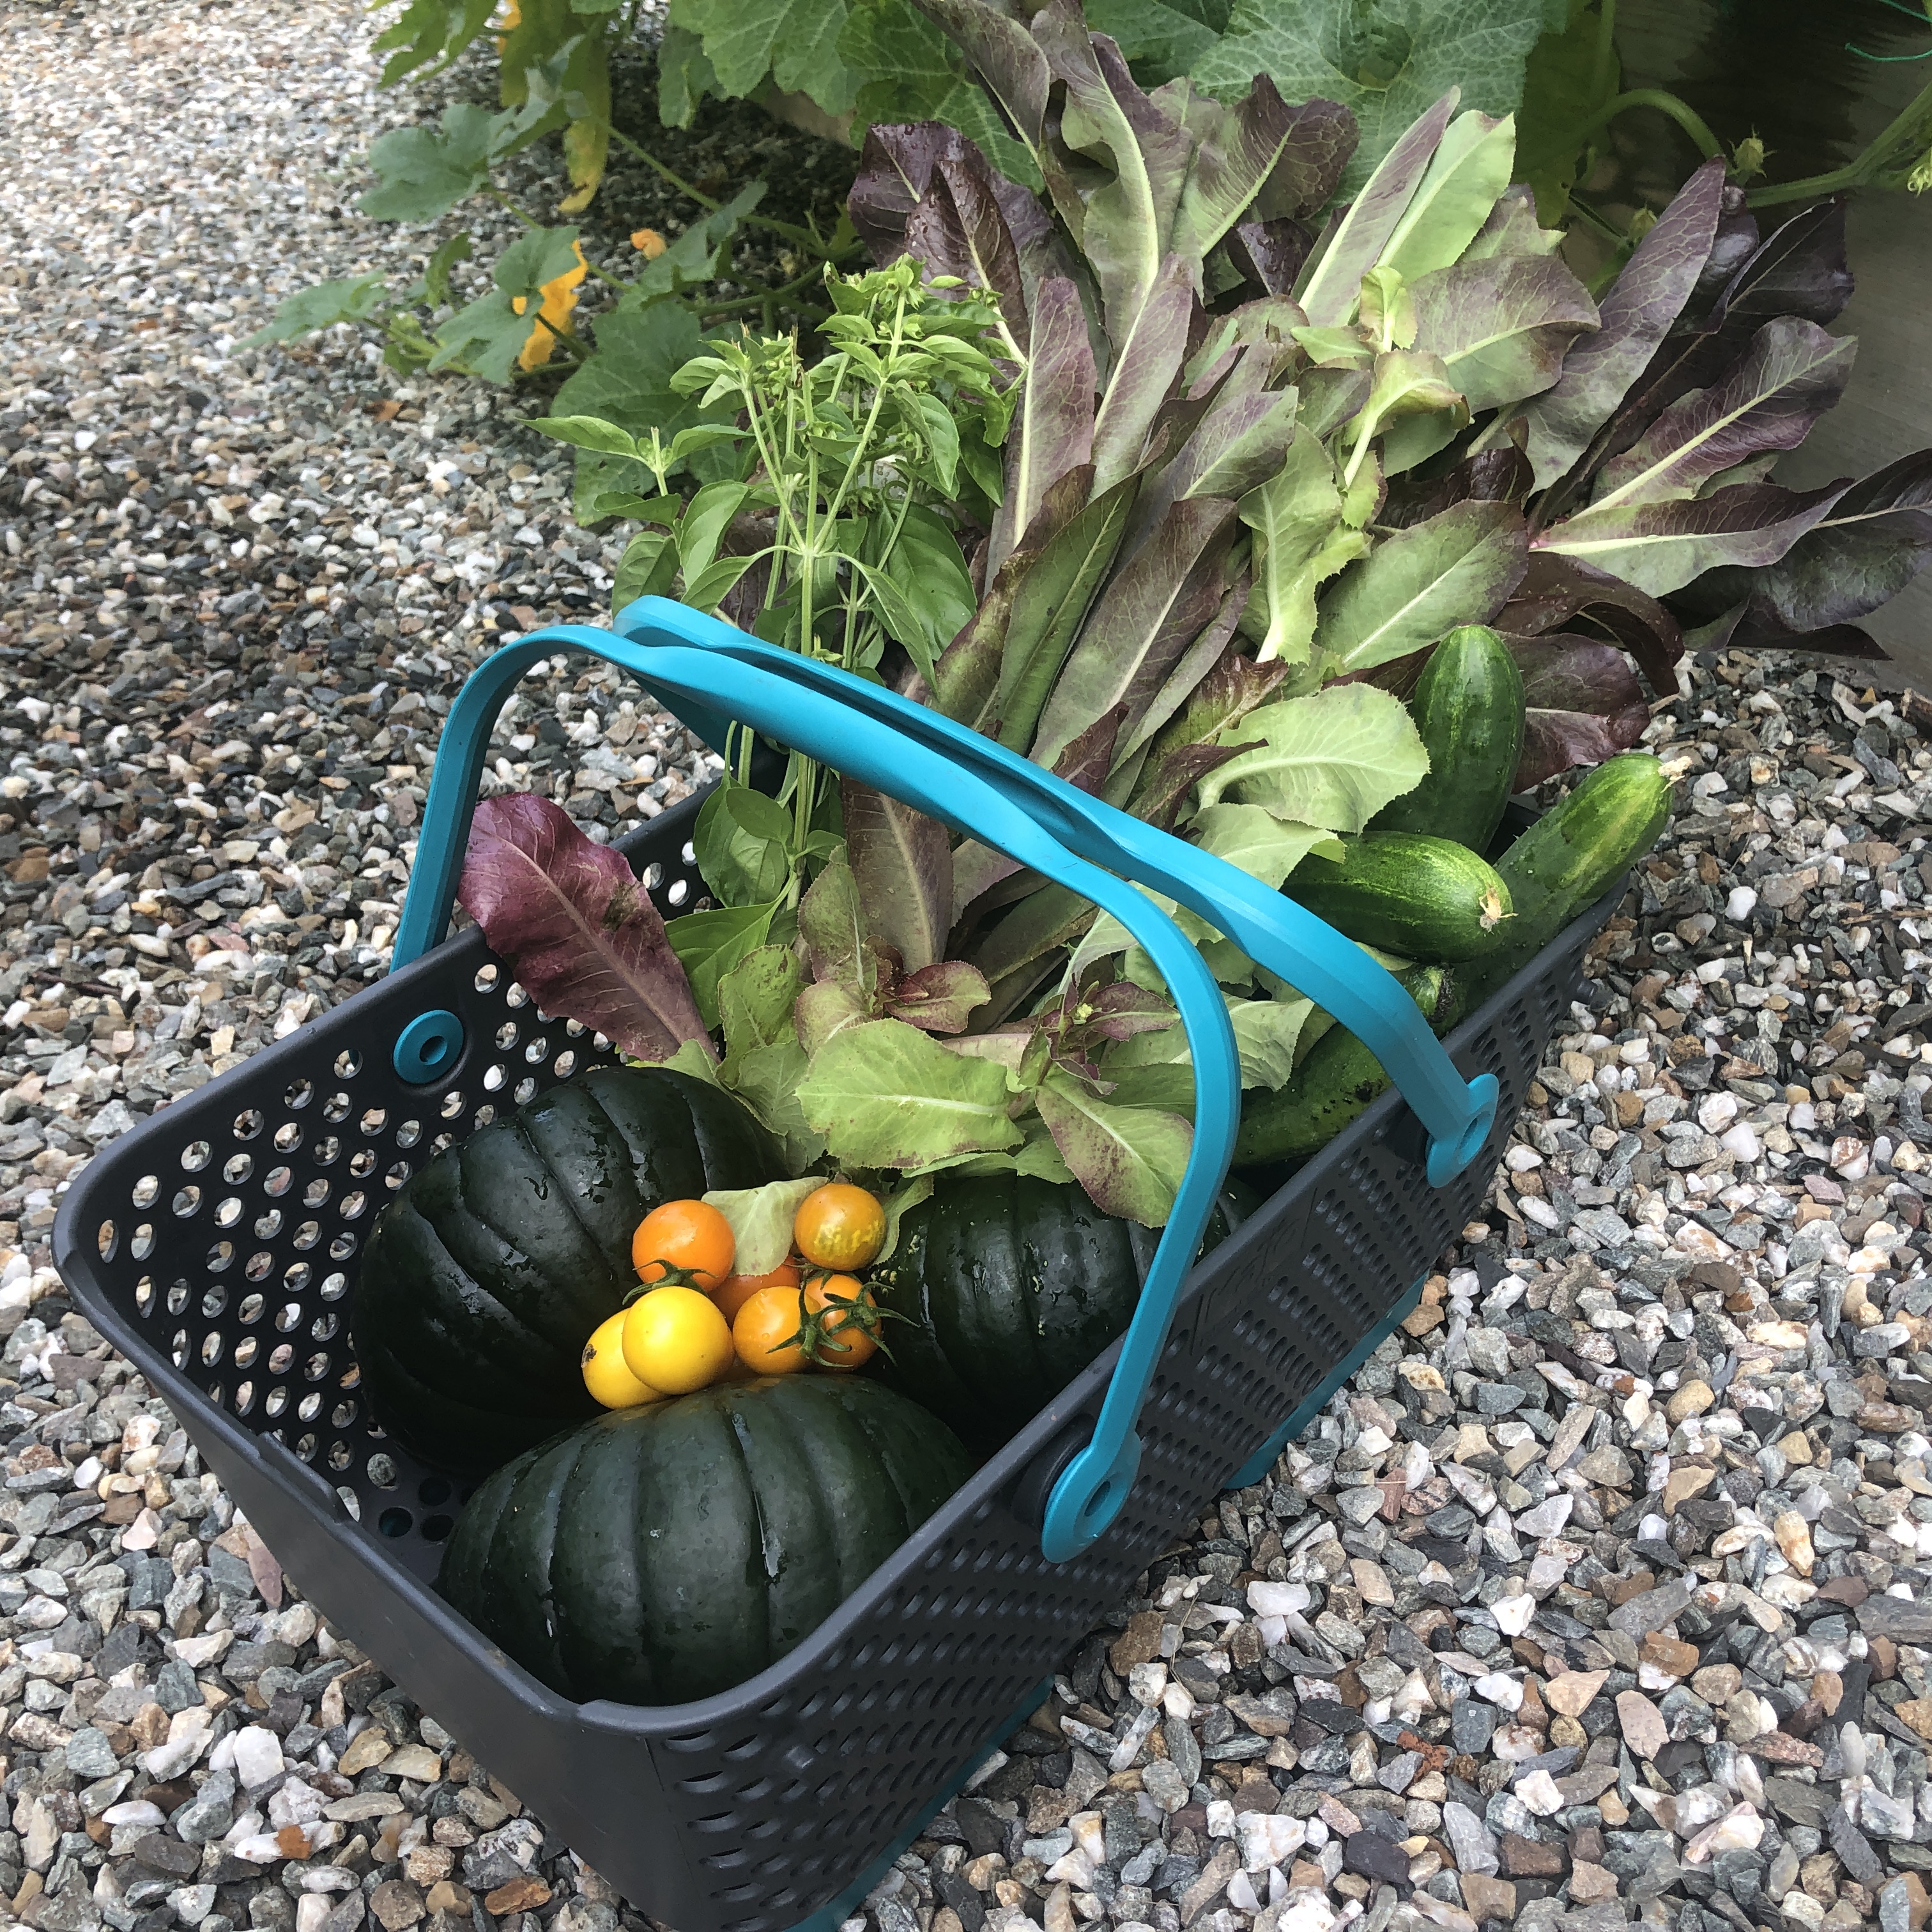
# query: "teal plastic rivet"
{"points": [[427, 1049]]}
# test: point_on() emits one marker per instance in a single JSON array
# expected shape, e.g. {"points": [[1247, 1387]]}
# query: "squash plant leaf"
{"points": [[423, 173], [576, 926], [795, 42], [1386, 60], [886, 1095]]}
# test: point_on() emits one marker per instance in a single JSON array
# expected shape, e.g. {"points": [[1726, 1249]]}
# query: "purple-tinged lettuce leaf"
{"points": [[938, 998], [577, 927], [1798, 269], [1052, 430], [966, 679], [1129, 1160], [1354, 246], [1583, 705], [1498, 475], [1086, 760], [1453, 201], [1155, 607], [895, 167], [1168, 777], [959, 229], [1660, 547], [1636, 313], [1117, 170], [1269, 255], [1197, 664], [832, 923], [1006, 57], [1877, 539], [1790, 375], [901, 862], [1322, 142], [1460, 567], [1502, 326], [1239, 447], [1555, 742], [1048, 603], [1735, 242], [1558, 591], [1145, 368], [1236, 148], [1798, 272], [1513, 228]]}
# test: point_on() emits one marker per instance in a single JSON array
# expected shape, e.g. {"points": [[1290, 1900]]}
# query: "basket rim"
{"points": [[308, 1487]]}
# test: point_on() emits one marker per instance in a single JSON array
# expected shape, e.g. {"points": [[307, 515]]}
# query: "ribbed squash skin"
{"points": [[484, 1276], [661, 1554], [1009, 1285]]}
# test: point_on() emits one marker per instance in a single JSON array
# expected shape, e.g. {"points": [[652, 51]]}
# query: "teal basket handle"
{"points": [[822, 722], [1456, 1114], [711, 675]]}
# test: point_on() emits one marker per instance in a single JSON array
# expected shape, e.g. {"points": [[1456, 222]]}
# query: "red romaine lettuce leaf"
{"points": [[577, 927]]}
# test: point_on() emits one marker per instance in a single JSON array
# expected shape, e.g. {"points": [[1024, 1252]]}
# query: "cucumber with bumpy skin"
{"points": [[1468, 705], [1334, 1085], [1426, 898], [1573, 855]]}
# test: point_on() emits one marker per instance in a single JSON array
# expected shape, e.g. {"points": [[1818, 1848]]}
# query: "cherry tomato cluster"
{"points": [[693, 1321]]}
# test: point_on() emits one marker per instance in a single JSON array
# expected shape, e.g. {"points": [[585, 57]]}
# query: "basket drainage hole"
{"points": [[436, 1528], [395, 1522], [433, 1489]]}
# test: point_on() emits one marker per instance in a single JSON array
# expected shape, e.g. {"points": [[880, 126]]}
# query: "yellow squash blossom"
{"points": [[513, 18], [560, 298], [648, 242]]}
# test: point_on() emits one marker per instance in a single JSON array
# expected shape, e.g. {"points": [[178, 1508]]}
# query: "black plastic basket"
{"points": [[216, 1244]]}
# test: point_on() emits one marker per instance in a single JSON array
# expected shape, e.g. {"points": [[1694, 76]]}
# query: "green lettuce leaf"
{"points": [[886, 1095]]}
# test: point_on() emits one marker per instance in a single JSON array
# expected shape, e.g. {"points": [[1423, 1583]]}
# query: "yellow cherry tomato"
{"points": [[847, 1327], [606, 1373], [688, 1243], [675, 1339], [839, 1226], [766, 1331], [732, 1295]]}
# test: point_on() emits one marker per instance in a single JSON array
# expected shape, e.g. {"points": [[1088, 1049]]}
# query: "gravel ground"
{"points": [[1605, 1591]]}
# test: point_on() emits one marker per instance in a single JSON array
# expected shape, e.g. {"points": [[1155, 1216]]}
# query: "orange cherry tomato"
{"points": [[686, 1242], [839, 1226], [846, 1331], [766, 1331], [733, 1293]]}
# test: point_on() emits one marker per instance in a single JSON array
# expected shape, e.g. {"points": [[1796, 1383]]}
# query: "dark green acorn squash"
{"points": [[661, 1554], [1008, 1286], [485, 1276]]}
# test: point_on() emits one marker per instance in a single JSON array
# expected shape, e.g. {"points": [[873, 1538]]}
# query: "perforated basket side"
{"points": [[220, 1237]]}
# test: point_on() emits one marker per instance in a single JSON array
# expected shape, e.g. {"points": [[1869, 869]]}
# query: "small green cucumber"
{"points": [[1425, 898], [1468, 705], [1573, 855], [1334, 1085]]}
